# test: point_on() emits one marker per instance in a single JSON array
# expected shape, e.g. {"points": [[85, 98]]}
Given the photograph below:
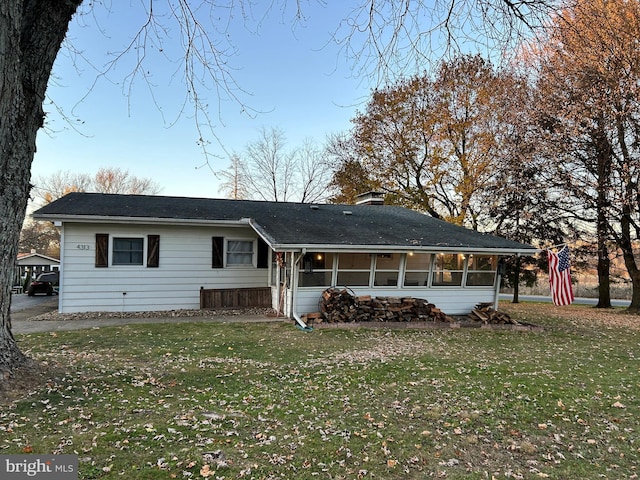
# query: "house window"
{"points": [[417, 269], [239, 253], [354, 269], [316, 270], [387, 270], [128, 251], [481, 270], [448, 269]]}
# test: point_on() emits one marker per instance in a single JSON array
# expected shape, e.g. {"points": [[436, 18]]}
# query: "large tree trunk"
{"points": [[516, 282], [604, 283], [31, 32], [634, 273], [626, 245], [604, 154]]}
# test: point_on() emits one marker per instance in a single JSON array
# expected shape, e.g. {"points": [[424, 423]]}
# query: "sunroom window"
{"points": [[417, 269], [354, 269], [387, 270], [481, 270], [448, 270], [316, 270]]}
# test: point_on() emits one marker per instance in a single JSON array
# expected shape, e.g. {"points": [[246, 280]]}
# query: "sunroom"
{"points": [[455, 282]]}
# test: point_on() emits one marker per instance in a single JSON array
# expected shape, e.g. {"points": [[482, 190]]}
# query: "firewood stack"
{"points": [[339, 306], [485, 313]]}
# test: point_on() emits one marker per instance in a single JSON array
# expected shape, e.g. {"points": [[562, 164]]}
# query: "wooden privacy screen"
{"points": [[235, 297]]}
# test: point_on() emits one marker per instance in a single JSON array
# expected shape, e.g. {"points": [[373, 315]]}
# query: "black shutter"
{"points": [[263, 254], [153, 251], [217, 252], [102, 250]]}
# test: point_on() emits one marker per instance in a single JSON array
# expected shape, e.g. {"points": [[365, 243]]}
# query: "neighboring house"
{"points": [[140, 253], [34, 263]]}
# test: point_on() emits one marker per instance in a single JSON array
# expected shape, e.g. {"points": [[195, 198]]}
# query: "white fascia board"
{"points": [[402, 249], [141, 220]]}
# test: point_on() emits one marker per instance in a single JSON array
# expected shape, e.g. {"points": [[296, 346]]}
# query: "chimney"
{"points": [[370, 198]]}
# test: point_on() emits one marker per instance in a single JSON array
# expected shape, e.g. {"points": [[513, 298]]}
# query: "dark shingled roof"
{"points": [[282, 223]]}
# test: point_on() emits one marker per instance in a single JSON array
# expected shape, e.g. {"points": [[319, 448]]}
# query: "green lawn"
{"points": [[269, 401]]}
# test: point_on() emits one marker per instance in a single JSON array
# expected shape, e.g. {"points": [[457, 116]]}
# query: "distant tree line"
{"points": [[544, 150], [43, 236]]}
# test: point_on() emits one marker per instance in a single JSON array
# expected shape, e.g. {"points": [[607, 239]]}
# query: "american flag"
{"points": [[560, 277]]}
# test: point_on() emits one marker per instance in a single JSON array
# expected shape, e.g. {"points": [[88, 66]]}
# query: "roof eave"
{"points": [[138, 220], [284, 247]]}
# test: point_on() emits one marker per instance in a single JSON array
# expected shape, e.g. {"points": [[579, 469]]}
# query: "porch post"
{"points": [[496, 294]]}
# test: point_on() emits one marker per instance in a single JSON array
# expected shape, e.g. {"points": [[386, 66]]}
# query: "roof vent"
{"points": [[347, 212], [314, 207]]}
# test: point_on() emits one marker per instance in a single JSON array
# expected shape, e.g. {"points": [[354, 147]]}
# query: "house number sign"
{"points": [[83, 246]]}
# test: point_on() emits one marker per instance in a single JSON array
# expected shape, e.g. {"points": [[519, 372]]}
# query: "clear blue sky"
{"points": [[295, 78]]}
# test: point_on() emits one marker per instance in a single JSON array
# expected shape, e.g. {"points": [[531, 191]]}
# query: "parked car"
{"points": [[44, 283]]}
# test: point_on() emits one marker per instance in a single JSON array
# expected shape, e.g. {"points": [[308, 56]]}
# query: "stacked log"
{"points": [[340, 306], [485, 313], [337, 305]]}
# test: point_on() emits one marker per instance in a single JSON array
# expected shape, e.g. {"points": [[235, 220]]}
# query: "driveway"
{"points": [[22, 301], [23, 306], [547, 299]]}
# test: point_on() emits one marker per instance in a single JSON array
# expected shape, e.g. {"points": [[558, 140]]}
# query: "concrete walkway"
{"points": [[22, 322]]}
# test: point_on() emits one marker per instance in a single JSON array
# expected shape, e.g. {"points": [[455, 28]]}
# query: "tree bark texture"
{"points": [[604, 153], [516, 283], [31, 33]]}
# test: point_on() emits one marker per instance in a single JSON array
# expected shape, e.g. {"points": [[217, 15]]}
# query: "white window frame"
{"points": [[112, 255], [331, 270], [254, 253], [425, 279], [470, 272], [434, 282], [369, 270], [397, 257]]}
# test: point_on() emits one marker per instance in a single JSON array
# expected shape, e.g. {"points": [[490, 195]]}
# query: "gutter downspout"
{"points": [[496, 294], [294, 289]]}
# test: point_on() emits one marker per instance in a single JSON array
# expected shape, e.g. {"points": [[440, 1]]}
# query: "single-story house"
{"points": [[145, 253], [34, 263]]}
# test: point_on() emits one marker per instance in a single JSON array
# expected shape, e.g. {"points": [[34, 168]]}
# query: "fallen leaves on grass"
{"points": [[223, 402]]}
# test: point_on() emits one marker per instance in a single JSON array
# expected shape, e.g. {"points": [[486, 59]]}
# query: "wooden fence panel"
{"points": [[235, 297]]}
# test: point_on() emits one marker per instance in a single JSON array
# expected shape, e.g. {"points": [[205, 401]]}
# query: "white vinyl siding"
{"points": [[452, 301], [185, 266]]}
